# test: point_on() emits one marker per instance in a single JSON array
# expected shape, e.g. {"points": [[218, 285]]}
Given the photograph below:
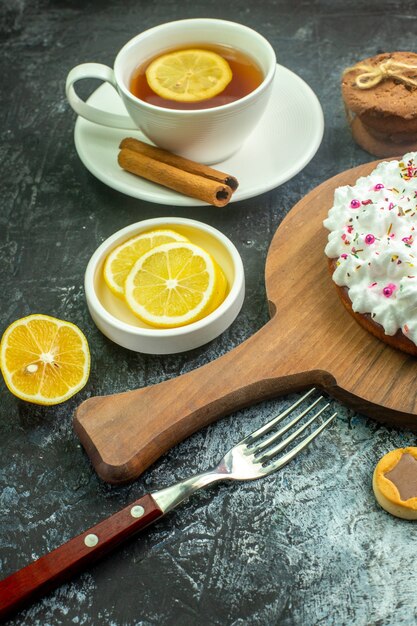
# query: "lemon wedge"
{"points": [[121, 260], [44, 360], [174, 284], [189, 75]]}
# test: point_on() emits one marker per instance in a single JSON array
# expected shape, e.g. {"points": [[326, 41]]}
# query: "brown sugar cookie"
{"points": [[395, 482], [383, 146], [380, 95]]}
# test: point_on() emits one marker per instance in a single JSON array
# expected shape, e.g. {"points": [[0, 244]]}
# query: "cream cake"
{"points": [[372, 250]]}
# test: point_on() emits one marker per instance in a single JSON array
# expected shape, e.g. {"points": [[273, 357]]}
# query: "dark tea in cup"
{"points": [[246, 77], [216, 115]]}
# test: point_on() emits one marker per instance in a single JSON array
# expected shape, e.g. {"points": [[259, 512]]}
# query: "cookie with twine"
{"points": [[380, 96]]}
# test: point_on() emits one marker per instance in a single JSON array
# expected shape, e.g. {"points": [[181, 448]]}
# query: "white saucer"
{"points": [[285, 140]]}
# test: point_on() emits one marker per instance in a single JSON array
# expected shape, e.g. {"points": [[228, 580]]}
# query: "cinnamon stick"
{"points": [[145, 163], [178, 161]]}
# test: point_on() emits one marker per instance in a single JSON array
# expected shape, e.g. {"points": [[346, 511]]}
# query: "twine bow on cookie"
{"points": [[372, 75]]}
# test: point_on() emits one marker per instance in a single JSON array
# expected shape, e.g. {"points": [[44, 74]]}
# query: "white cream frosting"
{"points": [[373, 236]]}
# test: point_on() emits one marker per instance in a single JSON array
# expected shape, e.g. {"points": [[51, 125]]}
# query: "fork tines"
{"points": [[263, 450]]}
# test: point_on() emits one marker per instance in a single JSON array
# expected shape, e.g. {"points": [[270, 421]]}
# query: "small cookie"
{"points": [[389, 98], [402, 139], [395, 483], [384, 107], [379, 147]]}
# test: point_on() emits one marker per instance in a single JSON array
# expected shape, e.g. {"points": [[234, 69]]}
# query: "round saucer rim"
{"points": [[241, 194]]}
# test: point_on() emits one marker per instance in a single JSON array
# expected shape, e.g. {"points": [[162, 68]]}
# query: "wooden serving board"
{"points": [[310, 340]]}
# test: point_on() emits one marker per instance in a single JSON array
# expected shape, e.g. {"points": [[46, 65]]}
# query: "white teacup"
{"points": [[205, 135]]}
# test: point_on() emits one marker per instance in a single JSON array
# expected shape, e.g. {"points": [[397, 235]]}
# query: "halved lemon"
{"points": [[175, 284], [44, 360], [121, 260], [189, 75]]}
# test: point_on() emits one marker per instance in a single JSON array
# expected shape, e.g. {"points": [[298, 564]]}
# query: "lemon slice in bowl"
{"points": [[174, 284], [220, 291], [189, 75], [121, 260], [44, 360]]}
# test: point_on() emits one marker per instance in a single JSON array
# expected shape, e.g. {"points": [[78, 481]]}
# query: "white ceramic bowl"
{"points": [[113, 317]]}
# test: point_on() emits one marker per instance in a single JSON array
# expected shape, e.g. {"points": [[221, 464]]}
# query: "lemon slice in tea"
{"points": [[189, 75], [121, 260], [44, 360], [174, 284]]}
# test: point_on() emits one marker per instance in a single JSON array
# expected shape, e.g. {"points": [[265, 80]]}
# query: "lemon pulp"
{"points": [[189, 75], [121, 260], [174, 284], [44, 360]]}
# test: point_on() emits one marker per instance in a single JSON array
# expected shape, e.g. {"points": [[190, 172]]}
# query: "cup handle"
{"points": [[90, 113]]}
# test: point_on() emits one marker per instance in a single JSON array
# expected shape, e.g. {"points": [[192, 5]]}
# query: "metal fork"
{"points": [[255, 456]]}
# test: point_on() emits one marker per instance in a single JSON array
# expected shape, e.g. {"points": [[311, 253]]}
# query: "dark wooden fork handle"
{"points": [[49, 571]]}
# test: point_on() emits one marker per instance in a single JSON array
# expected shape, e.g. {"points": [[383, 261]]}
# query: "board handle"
{"points": [[125, 433], [27, 584]]}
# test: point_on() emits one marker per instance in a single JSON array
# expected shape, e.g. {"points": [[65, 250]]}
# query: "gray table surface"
{"points": [[306, 546]]}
